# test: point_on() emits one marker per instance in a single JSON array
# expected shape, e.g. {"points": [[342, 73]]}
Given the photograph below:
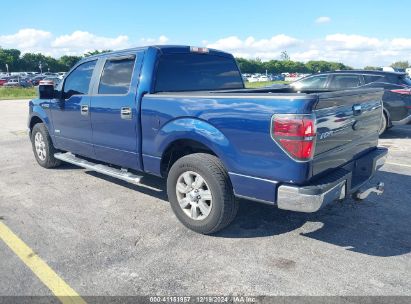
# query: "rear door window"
{"points": [[116, 76], [342, 82]]}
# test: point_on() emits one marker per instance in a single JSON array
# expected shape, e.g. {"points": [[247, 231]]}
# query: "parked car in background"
{"points": [[17, 82], [253, 78], [55, 80], [263, 78], [4, 80], [36, 80], [397, 90]]}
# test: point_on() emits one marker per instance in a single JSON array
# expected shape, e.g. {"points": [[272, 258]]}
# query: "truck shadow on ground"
{"points": [[378, 226], [397, 132]]}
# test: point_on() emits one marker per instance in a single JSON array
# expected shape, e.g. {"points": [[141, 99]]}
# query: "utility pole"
{"points": [[40, 67], [7, 67]]}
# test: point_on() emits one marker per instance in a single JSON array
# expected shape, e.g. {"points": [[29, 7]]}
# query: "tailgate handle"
{"points": [[357, 110]]}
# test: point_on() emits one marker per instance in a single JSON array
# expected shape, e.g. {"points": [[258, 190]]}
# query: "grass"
{"points": [[254, 85], [17, 93]]}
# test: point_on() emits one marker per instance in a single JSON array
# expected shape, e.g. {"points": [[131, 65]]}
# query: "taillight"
{"points": [[295, 134], [402, 91]]}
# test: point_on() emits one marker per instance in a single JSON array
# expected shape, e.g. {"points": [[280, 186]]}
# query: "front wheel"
{"points": [[201, 194], [43, 148]]}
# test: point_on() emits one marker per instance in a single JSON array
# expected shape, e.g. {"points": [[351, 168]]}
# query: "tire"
{"points": [[45, 154], [384, 124], [216, 208]]}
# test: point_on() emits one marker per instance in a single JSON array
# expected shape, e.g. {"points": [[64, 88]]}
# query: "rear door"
{"points": [[114, 112]]}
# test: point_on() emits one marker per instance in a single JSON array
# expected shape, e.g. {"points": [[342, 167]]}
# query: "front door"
{"points": [[70, 114], [113, 111]]}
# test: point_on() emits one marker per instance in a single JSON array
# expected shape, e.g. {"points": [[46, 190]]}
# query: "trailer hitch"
{"points": [[361, 195]]}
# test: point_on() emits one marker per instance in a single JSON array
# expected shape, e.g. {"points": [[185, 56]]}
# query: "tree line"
{"points": [[30, 62]]}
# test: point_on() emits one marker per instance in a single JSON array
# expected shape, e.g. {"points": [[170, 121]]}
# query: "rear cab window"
{"points": [[197, 72]]}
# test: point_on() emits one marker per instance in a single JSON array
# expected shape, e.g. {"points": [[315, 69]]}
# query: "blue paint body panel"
{"points": [[235, 126]]}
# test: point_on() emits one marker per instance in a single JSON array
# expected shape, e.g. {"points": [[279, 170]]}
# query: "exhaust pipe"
{"points": [[361, 195]]}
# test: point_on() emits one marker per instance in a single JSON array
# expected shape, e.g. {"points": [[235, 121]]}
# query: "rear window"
{"points": [[372, 78], [197, 72], [405, 80]]}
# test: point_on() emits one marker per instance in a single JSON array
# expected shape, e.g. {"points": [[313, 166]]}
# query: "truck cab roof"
{"points": [[164, 49]]}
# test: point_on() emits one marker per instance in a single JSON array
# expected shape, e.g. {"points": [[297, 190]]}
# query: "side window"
{"points": [[116, 76], [311, 83], [341, 82], [78, 82], [371, 78]]}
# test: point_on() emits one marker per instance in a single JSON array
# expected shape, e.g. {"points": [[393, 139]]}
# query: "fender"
{"points": [[187, 128], [39, 110]]}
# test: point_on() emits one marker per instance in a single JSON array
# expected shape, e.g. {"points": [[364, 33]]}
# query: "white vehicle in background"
{"points": [[61, 74], [263, 78], [253, 78], [408, 71]]}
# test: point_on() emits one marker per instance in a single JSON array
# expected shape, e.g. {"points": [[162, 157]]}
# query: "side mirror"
{"points": [[46, 90]]}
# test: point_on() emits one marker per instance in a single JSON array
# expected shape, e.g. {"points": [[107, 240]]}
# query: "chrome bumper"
{"points": [[335, 186], [403, 121]]}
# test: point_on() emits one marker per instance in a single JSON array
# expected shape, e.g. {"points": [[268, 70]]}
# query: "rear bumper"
{"points": [[403, 121], [336, 185]]}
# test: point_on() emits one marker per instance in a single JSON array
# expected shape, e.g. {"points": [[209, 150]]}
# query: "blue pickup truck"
{"points": [[183, 113]]}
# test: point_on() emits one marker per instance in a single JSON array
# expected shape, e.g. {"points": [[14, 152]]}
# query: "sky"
{"points": [[357, 33]]}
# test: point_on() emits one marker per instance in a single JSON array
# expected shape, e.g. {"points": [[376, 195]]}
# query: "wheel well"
{"points": [[34, 120], [181, 148]]}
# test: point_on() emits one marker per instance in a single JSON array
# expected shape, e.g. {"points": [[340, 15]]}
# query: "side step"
{"points": [[122, 174]]}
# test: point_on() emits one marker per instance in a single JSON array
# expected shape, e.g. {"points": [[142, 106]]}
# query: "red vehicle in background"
{"points": [[4, 80]]}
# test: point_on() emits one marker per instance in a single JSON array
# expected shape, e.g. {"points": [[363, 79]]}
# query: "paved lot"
{"points": [[106, 237]]}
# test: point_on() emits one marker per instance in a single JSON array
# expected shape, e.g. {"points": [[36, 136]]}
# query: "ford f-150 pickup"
{"points": [[183, 113]]}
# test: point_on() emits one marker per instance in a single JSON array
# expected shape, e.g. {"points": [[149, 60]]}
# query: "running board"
{"points": [[122, 174]]}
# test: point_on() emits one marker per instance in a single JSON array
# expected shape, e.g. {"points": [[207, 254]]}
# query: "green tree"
{"points": [[67, 62], [371, 68], [96, 52], [400, 65]]}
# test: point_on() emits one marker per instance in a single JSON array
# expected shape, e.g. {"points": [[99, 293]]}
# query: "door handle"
{"points": [[84, 109], [126, 113]]}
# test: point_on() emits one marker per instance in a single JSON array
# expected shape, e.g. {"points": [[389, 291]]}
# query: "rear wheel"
{"points": [[43, 148], [384, 124], [201, 194]]}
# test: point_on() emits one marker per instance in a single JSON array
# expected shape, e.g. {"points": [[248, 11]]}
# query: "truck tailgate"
{"points": [[347, 126]]}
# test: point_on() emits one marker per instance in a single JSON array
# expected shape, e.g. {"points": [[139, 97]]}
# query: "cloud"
{"points": [[353, 50], [75, 43], [26, 39], [322, 20], [251, 47], [154, 41], [80, 42]]}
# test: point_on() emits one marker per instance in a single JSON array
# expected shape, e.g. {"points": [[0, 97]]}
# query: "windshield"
{"points": [[197, 72]]}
